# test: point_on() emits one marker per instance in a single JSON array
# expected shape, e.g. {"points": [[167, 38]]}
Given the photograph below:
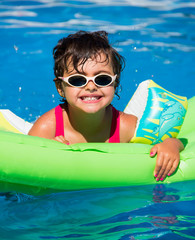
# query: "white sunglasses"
{"points": [[79, 80]]}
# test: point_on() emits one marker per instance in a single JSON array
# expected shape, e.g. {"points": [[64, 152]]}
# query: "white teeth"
{"points": [[90, 98]]}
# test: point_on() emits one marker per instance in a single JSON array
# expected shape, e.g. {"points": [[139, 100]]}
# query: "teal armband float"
{"points": [[160, 113]]}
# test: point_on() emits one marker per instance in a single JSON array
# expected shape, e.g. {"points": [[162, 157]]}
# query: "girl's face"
{"points": [[90, 98]]}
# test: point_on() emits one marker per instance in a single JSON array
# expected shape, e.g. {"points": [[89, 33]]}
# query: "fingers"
{"points": [[160, 166], [165, 166], [153, 151], [174, 167], [61, 139], [167, 158]]}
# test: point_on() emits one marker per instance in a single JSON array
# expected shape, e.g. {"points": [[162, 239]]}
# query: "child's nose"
{"points": [[90, 86]]}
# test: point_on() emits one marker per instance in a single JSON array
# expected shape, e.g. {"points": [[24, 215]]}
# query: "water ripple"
{"points": [[151, 4]]}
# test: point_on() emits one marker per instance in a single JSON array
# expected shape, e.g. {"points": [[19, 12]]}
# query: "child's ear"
{"points": [[59, 88]]}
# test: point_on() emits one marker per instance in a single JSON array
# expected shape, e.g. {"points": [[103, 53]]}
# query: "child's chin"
{"points": [[91, 110]]}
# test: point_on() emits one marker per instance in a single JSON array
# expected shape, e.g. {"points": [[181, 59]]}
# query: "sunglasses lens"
{"points": [[103, 80], [77, 81]]}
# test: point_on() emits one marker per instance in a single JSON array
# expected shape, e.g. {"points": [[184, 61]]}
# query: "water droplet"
{"points": [[16, 48]]}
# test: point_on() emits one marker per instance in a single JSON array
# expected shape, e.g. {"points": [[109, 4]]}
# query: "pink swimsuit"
{"points": [[114, 133]]}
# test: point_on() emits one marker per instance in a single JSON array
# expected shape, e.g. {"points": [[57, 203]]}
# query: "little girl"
{"points": [[87, 71]]}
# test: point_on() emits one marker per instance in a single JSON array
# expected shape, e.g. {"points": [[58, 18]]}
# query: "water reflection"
{"points": [[161, 194], [124, 212]]}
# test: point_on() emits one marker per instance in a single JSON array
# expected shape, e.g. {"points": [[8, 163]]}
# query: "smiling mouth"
{"points": [[88, 99]]}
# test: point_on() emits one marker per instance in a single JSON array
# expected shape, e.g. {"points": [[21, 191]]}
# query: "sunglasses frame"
{"points": [[66, 79]]}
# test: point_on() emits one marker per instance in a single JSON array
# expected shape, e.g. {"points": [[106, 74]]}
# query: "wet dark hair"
{"points": [[79, 47]]}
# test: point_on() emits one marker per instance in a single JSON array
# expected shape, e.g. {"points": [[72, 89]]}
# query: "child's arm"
{"points": [[167, 157]]}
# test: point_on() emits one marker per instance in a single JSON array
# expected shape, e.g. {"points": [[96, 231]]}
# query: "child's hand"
{"points": [[168, 157], [61, 139]]}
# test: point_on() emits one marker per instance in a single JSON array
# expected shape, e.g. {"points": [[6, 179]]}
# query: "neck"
{"points": [[90, 125]]}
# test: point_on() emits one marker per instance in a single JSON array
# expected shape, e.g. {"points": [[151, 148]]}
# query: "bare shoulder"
{"points": [[45, 125], [127, 126]]}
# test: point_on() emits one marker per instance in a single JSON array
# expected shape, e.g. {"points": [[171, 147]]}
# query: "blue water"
{"points": [[157, 39]]}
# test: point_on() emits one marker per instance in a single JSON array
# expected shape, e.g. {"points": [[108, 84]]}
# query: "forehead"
{"points": [[98, 62]]}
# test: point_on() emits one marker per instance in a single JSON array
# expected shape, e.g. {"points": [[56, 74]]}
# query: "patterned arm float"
{"points": [[160, 113]]}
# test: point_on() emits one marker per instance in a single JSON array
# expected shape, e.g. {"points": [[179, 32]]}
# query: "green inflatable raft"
{"points": [[39, 166]]}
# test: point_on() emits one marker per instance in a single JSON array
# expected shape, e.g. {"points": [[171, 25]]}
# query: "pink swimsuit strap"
{"points": [[115, 127], [59, 121]]}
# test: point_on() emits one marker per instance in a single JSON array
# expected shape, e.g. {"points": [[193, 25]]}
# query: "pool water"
{"points": [[143, 212], [157, 38]]}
